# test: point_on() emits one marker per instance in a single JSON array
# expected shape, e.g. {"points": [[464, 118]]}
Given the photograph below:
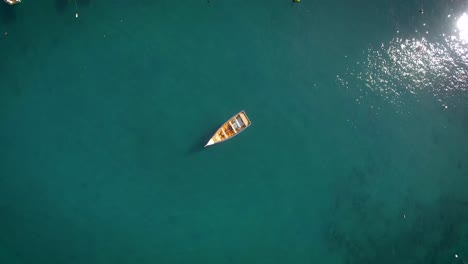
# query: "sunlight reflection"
{"points": [[462, 25], [435, 65]]}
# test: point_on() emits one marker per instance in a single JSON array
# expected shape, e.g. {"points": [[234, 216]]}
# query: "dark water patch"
{"points": [[14, 89], [84, 185], [358, 176], [371, 166], [459, 165], [352, 198], [7, 14], [62, 5], [229, 258], [55, 42], [435, 137], [429, 234], [462, 203], [83, 2]]}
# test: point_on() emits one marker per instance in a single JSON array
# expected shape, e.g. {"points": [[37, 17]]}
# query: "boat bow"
{"points": [[211, 142]]}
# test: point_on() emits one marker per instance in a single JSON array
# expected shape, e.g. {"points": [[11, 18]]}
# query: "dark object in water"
{"points": [[421, 11]]}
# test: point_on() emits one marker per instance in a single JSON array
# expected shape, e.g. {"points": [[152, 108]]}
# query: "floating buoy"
{"points": [[76, 8]]}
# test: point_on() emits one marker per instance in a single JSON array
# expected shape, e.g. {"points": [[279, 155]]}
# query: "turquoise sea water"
{"points": [[358, 152]]}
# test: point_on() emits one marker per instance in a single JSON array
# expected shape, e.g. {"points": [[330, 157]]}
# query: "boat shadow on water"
{"points": [[199, 144]]}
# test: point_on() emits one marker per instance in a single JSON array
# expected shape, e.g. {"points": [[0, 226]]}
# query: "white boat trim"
{"points": [[211, 142], [233, 128], [224, 133], [237, 123]]}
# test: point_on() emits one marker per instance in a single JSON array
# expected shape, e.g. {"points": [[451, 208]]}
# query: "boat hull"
{"points": [[231, 128]]}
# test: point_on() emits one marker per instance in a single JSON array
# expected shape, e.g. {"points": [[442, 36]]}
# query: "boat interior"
{"points": [[232, 127]]}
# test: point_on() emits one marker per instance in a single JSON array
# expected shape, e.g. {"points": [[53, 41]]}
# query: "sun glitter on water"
{"points": [[433, 64], [462, 25]]}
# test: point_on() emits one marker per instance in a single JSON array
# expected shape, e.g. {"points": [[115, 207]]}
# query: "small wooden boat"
{"points": [[230, 129], [12, 2]]}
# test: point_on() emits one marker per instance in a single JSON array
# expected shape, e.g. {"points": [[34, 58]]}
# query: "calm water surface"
{"points": [[357, 153]]}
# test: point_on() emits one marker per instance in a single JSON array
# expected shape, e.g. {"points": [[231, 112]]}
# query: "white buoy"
{"points": [[76, 8]]}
